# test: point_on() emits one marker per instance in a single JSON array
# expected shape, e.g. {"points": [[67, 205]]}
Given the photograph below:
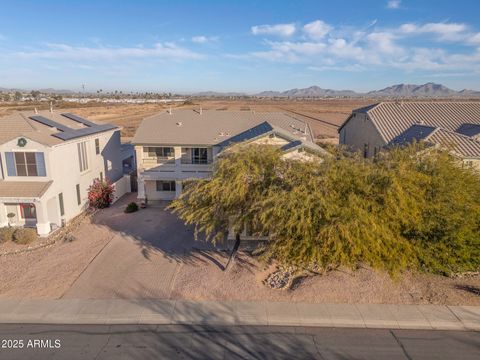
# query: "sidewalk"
{"points": [[76, 311]]}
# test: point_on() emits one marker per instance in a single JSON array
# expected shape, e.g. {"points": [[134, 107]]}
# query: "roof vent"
{"points": [[201, 110], [170, 111], [179, 123]]}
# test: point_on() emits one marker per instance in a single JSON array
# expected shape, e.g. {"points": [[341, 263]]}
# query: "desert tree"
{"points": [[412, 207]]}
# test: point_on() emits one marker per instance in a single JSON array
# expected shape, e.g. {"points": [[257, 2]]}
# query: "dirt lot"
{"points": [[150, 254], [324, 116]]}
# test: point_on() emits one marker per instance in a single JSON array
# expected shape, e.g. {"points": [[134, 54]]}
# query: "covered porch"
{"points": [[23, 203]]}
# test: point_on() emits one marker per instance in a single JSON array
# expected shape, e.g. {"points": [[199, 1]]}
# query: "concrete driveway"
{"points": [[141, 261]]}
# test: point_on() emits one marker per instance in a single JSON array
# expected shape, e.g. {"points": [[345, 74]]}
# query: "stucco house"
{"points": [[174, 146], [47, 162], [451, 125]]}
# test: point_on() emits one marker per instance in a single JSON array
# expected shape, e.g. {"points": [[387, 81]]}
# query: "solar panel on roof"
{"points": [[251, 133], [51, 123], [79, 119], [76, 133]]}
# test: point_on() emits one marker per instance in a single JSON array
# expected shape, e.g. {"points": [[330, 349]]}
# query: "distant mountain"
{"points": [[55, 91], [217, 94], [429, 90], [44, 91], [409, 90], [312, 91]]}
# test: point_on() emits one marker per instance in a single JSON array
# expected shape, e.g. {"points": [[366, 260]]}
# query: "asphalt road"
{"points": [[241, 342]]}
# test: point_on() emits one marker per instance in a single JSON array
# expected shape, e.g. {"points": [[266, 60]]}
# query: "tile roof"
{"points": [[393, 118], [459, 144], [24, 124], [23, 189], [211, 127], [451, 124]]}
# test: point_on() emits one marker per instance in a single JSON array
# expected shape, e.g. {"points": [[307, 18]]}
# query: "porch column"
{"points": [[43, 223], [3, 215], [178, 160], [141, 188], [178, 188]]}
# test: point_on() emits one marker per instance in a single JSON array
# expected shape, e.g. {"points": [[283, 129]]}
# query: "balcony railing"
{"points": [[158, 160]]}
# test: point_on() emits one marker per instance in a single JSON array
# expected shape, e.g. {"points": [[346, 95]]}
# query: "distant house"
{"points": [[172, 147], [47, 162], [451, 125]]}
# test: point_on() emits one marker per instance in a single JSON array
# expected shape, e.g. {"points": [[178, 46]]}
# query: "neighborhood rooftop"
{"points": [[213, 127], [393, 118], [452, 124], [48, 128]]}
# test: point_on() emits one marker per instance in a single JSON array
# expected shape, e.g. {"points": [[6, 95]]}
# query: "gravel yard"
{"points": [[150, 254]]}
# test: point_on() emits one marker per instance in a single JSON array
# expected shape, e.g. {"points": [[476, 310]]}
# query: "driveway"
{"points": [[143, 257]]}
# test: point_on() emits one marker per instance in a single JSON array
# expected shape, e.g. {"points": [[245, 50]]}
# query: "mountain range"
{"points": [[399, 90]]}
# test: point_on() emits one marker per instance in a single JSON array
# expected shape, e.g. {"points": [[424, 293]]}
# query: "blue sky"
{"points": [[184, 46]]}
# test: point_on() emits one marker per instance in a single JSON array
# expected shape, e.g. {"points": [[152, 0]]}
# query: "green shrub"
{"points": [[24, 236], [6, 234], [132, 207]]}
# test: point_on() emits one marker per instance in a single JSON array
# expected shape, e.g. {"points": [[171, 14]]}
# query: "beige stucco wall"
{"points": [[358, 131]]}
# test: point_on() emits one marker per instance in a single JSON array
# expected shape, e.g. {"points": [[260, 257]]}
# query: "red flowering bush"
{"points": [[100, 194]]}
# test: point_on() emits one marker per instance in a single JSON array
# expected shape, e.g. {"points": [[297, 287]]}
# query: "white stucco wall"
{"points": [[62, 167]]}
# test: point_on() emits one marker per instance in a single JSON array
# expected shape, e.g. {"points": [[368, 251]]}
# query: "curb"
{"points": [[237, 313]]}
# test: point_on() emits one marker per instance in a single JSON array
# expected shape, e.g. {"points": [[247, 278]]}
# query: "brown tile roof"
{"points": [[23, 189], [213, 127], [19, 124]]}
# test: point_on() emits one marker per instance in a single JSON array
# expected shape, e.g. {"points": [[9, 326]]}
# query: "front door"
{"points": [[29, 214]]}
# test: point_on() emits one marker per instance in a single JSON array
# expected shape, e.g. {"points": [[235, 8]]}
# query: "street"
{"points": [[231, 342]]}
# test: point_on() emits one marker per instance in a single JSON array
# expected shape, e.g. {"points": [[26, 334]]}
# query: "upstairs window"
{"points": [[159, 154], [199, 156], [82, 156], [25, 164]]}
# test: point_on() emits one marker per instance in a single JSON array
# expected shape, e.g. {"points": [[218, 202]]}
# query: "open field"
{"points": [[323, 116]]}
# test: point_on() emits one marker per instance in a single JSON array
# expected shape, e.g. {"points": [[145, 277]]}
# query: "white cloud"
{"points": [[474, 39], [317, 29], [384, 42], [305, 48], [394, 4], [63, 51], [444, 31], [323, 47], [278, 29], [201, 39]]}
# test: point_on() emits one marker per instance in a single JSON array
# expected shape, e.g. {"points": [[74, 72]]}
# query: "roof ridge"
{"points": [[28, 121]]}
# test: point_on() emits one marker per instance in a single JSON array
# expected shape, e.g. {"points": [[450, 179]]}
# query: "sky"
{"points": [[248, 46]]}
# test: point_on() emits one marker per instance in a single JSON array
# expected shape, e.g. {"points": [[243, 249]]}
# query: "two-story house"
{"points": [[47, 162], [451, 125], [174, 146]]}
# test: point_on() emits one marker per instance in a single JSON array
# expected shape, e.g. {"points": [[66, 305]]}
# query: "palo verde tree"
{"points": [[227, 202], [408, 208]]}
